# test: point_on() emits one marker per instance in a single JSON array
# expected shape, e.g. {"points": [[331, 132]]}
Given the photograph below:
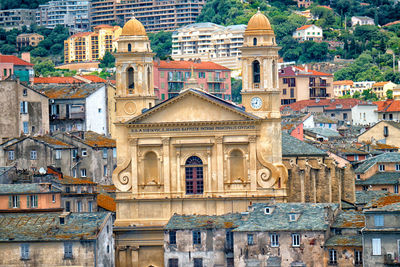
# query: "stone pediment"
{"points": [[193, 105]]}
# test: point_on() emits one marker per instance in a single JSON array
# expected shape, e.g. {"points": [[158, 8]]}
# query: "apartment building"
{"points": [[28, 39], [341, 88], [70, 13], [16, 18], [308, 33], [299, 83], [91, 46], [170, 78], [381, 88], [209, 42], [155, 15]]}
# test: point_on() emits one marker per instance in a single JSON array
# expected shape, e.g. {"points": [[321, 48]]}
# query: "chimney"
{"points": [[26, 56]]}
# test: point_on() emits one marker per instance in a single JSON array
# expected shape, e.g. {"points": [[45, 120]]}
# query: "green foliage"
{"points": [[108, 61], [356, 94], [12, 4], [236, 88], [389, 94], [161, 44], [103, 74], [44, 68], [369, 95], [7, 49]]}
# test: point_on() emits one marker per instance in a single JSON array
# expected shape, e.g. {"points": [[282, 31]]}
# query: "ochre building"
{"points": [[194, 153]]}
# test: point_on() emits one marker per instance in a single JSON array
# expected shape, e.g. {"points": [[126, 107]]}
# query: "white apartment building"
{"points": [[209, 42], [360, 20], [70, 13], [361, 86], [308, 33]]}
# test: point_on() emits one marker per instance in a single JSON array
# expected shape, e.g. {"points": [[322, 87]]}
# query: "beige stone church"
{"points": [[194, 153]]}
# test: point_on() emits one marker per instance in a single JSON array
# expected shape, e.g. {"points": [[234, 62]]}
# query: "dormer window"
{"points": [[268, 210], [293, 217]]}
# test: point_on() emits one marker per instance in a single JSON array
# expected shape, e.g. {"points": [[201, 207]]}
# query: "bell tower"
{"points": [[134, 75], [260, 93]]}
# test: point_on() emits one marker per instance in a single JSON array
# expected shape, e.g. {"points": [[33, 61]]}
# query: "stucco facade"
{"points": [[390, 136]]}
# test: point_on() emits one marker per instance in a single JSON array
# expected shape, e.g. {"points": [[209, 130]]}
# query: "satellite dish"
{"points": [[42, 170]]}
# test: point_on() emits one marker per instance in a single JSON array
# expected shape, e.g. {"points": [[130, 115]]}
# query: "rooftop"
{"points": [[6, 189], [94, 139], [106, 202], [300, 71], [388, 105], [14, 60], [47, 227], [187, 65], [385, 200], [381, 178], [328, 104], [395, 207], [304, 27], [292, 146], [68, 180], [349, 219], [325, 132], [344, 82], [311, 217], [384, 158], [344, 240], [187, 222], [44, 139], [67, 91]]}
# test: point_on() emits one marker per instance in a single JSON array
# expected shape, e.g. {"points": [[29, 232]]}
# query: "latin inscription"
{"points": [[193, 129]]}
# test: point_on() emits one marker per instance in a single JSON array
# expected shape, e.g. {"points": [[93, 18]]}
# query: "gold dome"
{"points": [[133, 27], [258, 23]]}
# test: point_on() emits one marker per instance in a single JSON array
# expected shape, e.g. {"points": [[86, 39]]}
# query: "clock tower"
{"points": [[260, 93]]}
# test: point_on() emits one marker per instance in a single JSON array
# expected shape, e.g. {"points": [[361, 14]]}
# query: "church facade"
{"points": [[194, 153]]}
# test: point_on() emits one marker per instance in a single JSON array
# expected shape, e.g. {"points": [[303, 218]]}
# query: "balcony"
{"points": [[320, 84], [319, 95], [176, 79], [77, 115], [216, 80], [216, 91]]}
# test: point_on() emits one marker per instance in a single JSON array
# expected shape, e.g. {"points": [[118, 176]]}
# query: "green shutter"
{"points": [[36, 200], [18, 202], [27, 201], [10, 202]]}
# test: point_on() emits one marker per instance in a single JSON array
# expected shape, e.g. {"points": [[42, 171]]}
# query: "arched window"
{"points": [[130, 78], [150, 167], [254, 41], [194, 175], [256, 71], [129, 47], [236, 162]]}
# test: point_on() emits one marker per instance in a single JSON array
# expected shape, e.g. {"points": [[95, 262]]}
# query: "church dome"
{"points": [[258, 24], [134, 27]]}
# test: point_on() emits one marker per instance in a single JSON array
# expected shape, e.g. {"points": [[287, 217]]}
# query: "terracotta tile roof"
{"points": [[300, 71], [62, 80], [344, 82], [52, 141], [80, 34], [391, 23], [303, 27], [14, 60], [103, 26], [328, 104], [93, 78], [97, 140], [384, 201], [349, 219], [379, 84], [388, 105], [206, 65], [71, 180], [106, 202], [67, 91]]}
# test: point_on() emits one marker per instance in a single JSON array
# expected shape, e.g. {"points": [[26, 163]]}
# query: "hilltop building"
{"points": [[16, 18], [171, 76], [199, 154], [209, 42], [361, 20], [70, 13], [91, 46], [155, 15], [298, 83], [308, 33], [28, 39]]}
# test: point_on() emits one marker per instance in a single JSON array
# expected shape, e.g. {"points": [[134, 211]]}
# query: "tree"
{"points": [[389, 94], [356, 94], [39, 52], [161, 44], [8, 49], [108, 61], [44, 67], [236, 86], [369, 95]]}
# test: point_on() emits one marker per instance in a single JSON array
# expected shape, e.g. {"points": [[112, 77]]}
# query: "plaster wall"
{"points": [[96, 111], [376, 133], [364, 115]]}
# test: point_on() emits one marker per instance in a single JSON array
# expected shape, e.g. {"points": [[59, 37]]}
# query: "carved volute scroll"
{"points": [[122, 176]]}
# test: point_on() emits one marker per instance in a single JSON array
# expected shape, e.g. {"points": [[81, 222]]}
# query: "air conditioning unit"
{"points": [[390, 255]]}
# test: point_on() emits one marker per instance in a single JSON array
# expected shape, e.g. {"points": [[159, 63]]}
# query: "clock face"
{"points": [[256, 103]]}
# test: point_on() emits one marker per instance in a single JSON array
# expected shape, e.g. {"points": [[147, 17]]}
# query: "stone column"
{"points": [[122, 256], [166, 163], [133, 142], [209, 175], [178, 172], [220, 164], [253, 162]]}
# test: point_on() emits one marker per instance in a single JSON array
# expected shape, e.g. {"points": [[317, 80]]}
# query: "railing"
{"points": [[320, 95], [320, 84], [77, 115], [216, 80], [176, 79]]}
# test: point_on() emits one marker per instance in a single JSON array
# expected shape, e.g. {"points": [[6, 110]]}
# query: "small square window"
{"points": [[358, 177], [172, 237], [378, 220], [197, 262], [24, 251], [274, 240], [83, 172], [25, 92], [68, 250], [381, 167], [33, 155], [295, 240], [11, 155], [84, 152]]}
